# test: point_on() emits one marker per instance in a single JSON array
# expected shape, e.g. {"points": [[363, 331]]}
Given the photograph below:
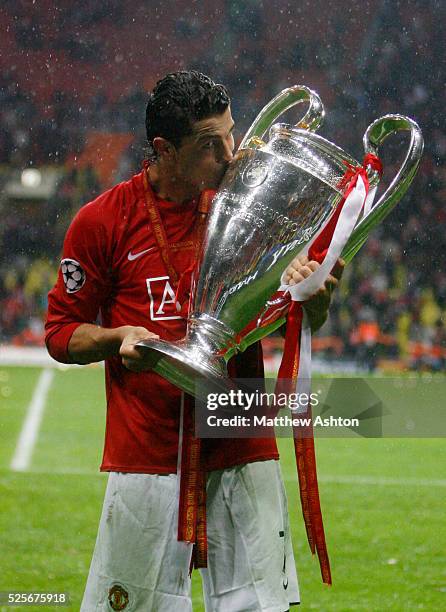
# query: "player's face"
{"points": [[203, 156]]}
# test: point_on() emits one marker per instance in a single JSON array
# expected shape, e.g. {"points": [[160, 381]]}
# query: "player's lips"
{"points": [[222, 173]]}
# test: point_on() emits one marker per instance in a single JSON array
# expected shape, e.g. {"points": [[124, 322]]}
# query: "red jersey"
{"points": [[112, 267]]}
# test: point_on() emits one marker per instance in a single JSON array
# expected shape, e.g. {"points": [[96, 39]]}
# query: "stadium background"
{"points": [[72, 91]]}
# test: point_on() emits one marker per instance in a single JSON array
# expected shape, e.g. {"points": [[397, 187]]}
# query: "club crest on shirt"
{"points": [[73, 275], [118, 598]]}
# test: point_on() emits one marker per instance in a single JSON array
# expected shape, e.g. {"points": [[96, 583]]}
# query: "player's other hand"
{"points": [[317, 305], [135, 358], [301, 267]]}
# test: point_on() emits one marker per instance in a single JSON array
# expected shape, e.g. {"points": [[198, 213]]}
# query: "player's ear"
{"points": [[164, 149]]}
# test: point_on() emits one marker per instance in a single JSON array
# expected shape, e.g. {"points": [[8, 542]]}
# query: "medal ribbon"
{"points": [[192, 477], [192, 486], [158, 229]]}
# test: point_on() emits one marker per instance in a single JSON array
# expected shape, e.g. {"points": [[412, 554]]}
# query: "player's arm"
{"points": [[317, 305], [83, 287], [90, 343]]}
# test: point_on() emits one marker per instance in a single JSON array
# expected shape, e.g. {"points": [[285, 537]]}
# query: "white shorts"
{"points": [[138, 565]]}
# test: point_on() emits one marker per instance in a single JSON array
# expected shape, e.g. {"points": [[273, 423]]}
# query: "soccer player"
{"points": [[122, 258]]}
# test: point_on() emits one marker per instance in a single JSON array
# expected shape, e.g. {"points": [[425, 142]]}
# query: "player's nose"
{"points": [[227, 153]]}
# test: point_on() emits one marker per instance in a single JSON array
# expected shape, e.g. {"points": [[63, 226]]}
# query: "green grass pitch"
{"points": [[385, 532]]}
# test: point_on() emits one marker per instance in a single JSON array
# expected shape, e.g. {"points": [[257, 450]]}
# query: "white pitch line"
{"points": [[28, 436], [381, 480]]}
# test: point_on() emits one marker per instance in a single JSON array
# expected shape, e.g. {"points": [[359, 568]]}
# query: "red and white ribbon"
{"points": [[325, 248]]}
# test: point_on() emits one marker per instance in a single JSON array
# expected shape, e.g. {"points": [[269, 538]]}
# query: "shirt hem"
{"points": [[210, 467], [131, 469]]}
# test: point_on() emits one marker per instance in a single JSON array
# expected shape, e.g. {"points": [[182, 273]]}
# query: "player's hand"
{"points": [[135, 358], [317, 305]]}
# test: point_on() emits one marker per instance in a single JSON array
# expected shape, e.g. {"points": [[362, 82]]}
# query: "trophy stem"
{"points": [[173, 361], [197, 358]]}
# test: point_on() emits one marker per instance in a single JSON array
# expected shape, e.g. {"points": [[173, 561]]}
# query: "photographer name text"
{"points": [[280, 421]]}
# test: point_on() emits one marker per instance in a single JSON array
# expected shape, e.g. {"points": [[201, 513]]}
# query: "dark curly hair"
{"points": [[178, 101]]}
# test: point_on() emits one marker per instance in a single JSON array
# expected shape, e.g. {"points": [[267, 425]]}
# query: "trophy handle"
{"points": [[374, 136], [283, 101]]}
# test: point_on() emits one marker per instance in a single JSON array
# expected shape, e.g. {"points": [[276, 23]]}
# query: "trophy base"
{"points": [[185, 367]]}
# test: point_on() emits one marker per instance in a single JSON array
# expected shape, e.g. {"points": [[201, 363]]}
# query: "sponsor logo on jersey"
{"points": [[73, 274], [118, 598], [132, 256], [163, 305]]}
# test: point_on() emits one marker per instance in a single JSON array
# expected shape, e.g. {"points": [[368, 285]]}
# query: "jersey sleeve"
{"points": [[83, 282]]}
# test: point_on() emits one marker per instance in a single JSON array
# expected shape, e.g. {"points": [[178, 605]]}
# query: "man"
{"points": [[123, 256]]}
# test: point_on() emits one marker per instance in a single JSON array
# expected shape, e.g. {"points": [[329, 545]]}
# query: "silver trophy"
{"points": [[272, 201]]}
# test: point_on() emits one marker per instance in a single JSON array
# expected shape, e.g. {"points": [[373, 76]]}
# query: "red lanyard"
{"points": [[192, 504], [158, 227]]}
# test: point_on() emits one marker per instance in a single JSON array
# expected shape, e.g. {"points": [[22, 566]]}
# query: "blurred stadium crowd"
{"points": [[72, 95]]}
